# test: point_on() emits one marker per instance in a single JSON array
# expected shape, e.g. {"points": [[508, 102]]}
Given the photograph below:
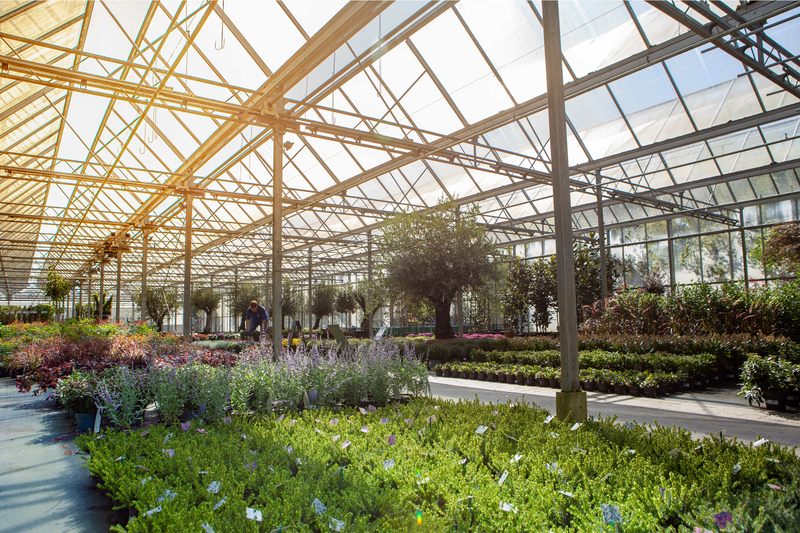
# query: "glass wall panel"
{"points": [[736, 256], [658, 258], [686, 260], [633, 234], [684, 226], [753, 247], [777, 212], [657, 230], [716, 257], [635, 264]]}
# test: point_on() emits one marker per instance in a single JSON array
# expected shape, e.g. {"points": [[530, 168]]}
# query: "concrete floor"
{"points": [[41, 488], [702, 413]]}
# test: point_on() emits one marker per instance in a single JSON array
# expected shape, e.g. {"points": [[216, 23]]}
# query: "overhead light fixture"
{"points": [[288, 145]]}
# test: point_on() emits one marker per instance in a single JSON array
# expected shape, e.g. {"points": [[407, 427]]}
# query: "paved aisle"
{"points": [[41, 489], [701, 413]]}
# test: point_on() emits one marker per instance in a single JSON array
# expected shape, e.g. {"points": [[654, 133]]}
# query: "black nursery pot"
{"points": [[776, 401]]}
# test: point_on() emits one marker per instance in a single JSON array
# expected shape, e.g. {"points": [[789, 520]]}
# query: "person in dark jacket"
{"points": [[256, 316]]}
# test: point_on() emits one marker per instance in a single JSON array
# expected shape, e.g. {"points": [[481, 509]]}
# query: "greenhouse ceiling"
{"points": [[113, 113]]}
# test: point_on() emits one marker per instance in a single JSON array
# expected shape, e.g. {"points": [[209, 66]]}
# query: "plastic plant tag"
{"points": [[513, 438], [580, 451], [423, 481], [318, 506], [723, 519], [153, 511], [206, 527], [576, 426], [391, 440], [503, 477], [203, 472], [245, 437], [120, 458], [186, 425], [495, 413], [253, 514], [213, 488], [431, 419], [168, 494], [145, 432], [318, 431], [333, 421], [345, 444], [299, 462], [463, 461], [611, 514], [288, 449], [549, 419], [775, 487], [168, 437], [773, 460], [737, 468], [372, 408], [388, 464], [364, 429], [508, 507], [630, 452], [335, 438], [630, 426], [409, 422], [336, 525], [760, 442], [565, 493], [421, 432], [97, 418], [554, 435], [516, 458], [362, 410], [219, 503], [553, 467], [604, 478], [170, 452], [202, 431], [145, 480], [481, 430]]}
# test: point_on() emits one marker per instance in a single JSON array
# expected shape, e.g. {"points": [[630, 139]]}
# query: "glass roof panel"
{"points": [[512, 39], [460, 68], [599, 123], [596, 34]]}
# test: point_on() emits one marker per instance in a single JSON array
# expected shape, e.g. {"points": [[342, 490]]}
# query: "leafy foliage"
{"points": [[322, 302], [422, 466], [160, 304], [56, 287], [207, 300], [239, 296], [783, 246], [435, 255]]}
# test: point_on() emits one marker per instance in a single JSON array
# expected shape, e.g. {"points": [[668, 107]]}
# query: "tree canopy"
{"points": [[56, 287], [241, 294], [436, 254], [322, 302], [207, 301], [160, 303], [783, 246]]}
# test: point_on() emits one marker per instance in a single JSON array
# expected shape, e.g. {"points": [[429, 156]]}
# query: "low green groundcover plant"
{"points": [[433, 465]]}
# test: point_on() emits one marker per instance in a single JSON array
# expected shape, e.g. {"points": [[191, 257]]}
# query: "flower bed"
{"points": [[439, 466]]}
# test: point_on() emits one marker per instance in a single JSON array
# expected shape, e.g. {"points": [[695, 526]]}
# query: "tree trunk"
{"points": [[443, 328], [208, 322], [316, 323]]}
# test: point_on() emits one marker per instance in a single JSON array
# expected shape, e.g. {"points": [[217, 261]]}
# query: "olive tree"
{"points": [[206, 300], [160, 303], [435, 254], [322, 302]]}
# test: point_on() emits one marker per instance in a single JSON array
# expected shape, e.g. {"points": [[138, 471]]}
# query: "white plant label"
{"points": [[481, 430], [335, 438], [153, 511], [772, 459], [577, 450], [336, 525], [364, 429], [549, 419], [760, 442], [604, 478], [207, 527], [318, 506], [503, 477], [423, 481], [737, 468], [288, 449], [345, 444], [463, 461], [611, 514], [97, 418], [388, 464], [168, 494], [565, 493], [219, 503], [333, 421], [253, 514], [508, 507], [168, 437], [554, 435], [553, 467], [516, 458], [630, 452], [576, 426], [213, 488]]}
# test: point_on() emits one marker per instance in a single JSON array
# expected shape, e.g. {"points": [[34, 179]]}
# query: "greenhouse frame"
{"points": [[145, 143]]}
